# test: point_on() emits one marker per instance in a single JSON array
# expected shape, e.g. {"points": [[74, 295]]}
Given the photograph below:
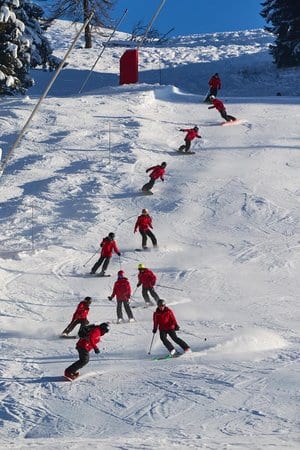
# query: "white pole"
{"points": [[101, 53], [9, 154]]}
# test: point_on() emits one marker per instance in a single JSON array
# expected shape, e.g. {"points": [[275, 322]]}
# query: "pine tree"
{"points": [[79, 10], [285, 18]]}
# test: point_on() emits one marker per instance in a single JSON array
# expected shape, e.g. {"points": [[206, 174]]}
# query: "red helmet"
{"points": [[121, 274]]}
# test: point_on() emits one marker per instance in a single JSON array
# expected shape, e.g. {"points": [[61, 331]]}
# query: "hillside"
{"points": [[227, 222]]}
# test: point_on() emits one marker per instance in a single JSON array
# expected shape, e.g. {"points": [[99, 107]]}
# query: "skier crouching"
{"points": [[108, 246], [165, 320], [84, 346], [157, 172], [192, 133], [79, 316], [221, 108]]}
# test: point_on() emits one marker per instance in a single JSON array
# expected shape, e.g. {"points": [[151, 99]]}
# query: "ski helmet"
{"points": [[145, 211], [104, 327], [161, 302], [196, 128], [88, 300], [141, 266], [111, 235], [163, 164], [121, 274], [212, 97]]}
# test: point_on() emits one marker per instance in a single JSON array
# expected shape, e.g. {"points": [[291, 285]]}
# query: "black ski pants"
{"points": [[84, 358], [148, 185], [172, 333], [226, 116], [146, 292], [127, 308], [185, 146], [72, 325], [103, 259], [145, 234]]}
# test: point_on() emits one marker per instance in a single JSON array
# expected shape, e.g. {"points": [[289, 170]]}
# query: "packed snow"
{"points": [[227, 222]]}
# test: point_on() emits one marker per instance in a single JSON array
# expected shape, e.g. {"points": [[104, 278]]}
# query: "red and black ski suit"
{"points": [[108, 246], [147, 279], [79, 317], [191, 134], [122, 291], [84, 346], [222, 110], [215, 84], [143, 224], [165, 320], [157, 172]]}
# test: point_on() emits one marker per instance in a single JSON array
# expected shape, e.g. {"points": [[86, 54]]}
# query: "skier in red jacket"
{"points": [[192, 133], [79, 316], [165, 320], [157, 172], [143, 224], [84, 346], [221, 108], [108, 246], [147, 280], [214, 84], [122, 291]]}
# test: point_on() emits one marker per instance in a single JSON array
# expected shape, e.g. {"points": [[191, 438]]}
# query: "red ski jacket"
{"points": [[90, 342], [191, 134], [108, 246], [121, 290], [218, 104], [147, 278], [144, 222], [81, 312], [215, 82], [157, 172], [164, 319]]}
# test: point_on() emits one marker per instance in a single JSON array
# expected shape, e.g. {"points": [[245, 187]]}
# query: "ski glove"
{"points": [[177, 328], [154, 330], [119, 254], [97, 351], [109, 297]]}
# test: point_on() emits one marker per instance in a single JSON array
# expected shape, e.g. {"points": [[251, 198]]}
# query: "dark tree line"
{"points": [[284, 19]]}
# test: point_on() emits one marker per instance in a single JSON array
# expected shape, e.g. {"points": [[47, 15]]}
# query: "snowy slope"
{"points": [[227, 222]]}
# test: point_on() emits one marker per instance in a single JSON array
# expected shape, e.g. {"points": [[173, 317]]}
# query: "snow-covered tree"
{"points": [[22, 45], [284, 15], [79, 10]]}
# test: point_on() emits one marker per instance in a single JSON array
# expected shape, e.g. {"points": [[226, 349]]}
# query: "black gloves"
{"points": [[109, 297], [154, 330], [177, 328], [97, 351], [119, 254]]}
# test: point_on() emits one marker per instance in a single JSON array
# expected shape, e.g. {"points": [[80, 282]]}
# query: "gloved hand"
{"points": [[138, 285], [109, 297], [154, 330], [177, 327], [119, 254], [97, 351], [162, 179]]}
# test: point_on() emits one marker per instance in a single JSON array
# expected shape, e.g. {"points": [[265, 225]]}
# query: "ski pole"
{"points": [[90, 258], [153, 336], [170, 287], [120, 262]]}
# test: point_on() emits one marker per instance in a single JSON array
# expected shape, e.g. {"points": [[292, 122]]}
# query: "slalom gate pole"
{"points": [[90, 258], [102, 51], [170, 287], [153, 336], [9, 154]]}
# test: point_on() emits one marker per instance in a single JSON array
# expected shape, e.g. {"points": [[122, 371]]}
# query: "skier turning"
{"points": [[79, 316], [143, 224], [191, 133], [221, 108], [157, 172], [214, 84], [108, 246], [122, 291], [147, 280], [165, 320], [84, 346]]}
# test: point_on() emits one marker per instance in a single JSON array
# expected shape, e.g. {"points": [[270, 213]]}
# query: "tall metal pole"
{"points": [[101, 53], [9, 154], [151, 22]]}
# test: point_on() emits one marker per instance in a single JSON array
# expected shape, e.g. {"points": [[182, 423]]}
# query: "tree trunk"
{"points": [[87, 31]]}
